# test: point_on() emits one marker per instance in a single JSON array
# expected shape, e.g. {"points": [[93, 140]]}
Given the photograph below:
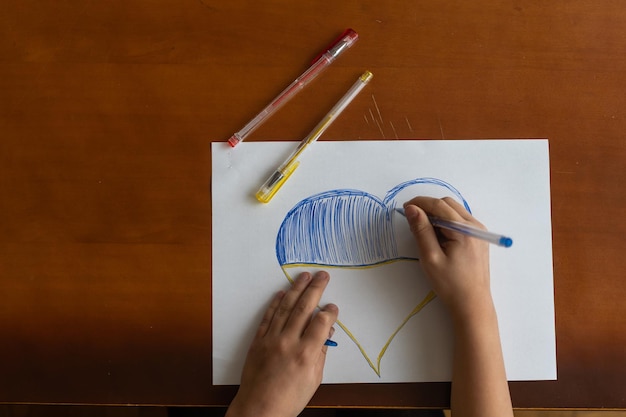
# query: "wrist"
{"points": [[241, 407], [475, 310]]}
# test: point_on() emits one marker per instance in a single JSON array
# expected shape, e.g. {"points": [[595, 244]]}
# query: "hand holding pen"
{"points": [[458, 269], [458, 266], [284, 365], [285, 361], [468, 230]]}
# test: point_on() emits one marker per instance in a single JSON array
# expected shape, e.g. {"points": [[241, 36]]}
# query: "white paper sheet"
{"points": [[506, 184]]}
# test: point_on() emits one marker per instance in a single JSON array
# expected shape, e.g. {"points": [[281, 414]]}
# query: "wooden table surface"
{"points": [[107, 111]]}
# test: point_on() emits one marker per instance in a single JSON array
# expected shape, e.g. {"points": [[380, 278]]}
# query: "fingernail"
{"points": [[331, 307], [304, 277], [411, 212], [322, 275]]}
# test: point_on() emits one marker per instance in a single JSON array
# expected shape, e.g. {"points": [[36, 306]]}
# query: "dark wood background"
{"points": [[107, 111]]}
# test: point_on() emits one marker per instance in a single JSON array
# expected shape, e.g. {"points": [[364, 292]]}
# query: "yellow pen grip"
{"points": [[273, 184]]}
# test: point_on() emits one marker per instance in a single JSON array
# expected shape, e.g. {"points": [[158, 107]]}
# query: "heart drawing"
{"points": [[370, 254]]}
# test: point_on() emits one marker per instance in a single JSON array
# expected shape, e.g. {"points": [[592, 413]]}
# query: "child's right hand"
{"points": [[457, 265]]}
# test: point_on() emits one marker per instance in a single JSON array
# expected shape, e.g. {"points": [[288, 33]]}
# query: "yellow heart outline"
{"points": [[376, 368]]}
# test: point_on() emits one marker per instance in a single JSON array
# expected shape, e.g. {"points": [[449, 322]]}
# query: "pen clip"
{"points": [[348, 37]]}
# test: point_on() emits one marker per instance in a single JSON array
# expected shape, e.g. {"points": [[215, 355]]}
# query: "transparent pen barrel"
{"points": [[285, 95]]}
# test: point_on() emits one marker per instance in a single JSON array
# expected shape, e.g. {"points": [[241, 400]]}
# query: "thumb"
{"points": [[423, 232]]}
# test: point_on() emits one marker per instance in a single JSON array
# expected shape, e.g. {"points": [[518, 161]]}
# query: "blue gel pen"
{"points": [[465, 229], [329, 342]]}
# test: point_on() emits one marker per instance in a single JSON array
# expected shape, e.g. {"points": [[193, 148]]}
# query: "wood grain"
{"points": [[107, 110]]}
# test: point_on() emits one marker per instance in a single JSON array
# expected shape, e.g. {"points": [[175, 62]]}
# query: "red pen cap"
{"points": [[348, 37]]}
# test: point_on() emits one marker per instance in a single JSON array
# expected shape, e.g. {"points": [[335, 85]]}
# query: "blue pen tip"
{"points": [[330, 343], [507, 242]]}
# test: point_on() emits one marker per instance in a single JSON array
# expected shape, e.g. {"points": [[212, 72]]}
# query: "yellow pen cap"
{"points": [[273, 184]]}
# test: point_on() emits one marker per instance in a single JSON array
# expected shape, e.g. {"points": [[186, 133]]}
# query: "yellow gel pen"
{"points": [[284, 171]]}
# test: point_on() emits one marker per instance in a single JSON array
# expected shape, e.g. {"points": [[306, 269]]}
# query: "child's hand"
{"points": [[285, 362], [457, 265]]}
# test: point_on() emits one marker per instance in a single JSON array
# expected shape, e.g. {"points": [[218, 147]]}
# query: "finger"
{"points": [[307, 304], [331, 332], [269, 314], [289, 300], [424, 233], [459, 208], [436, 207], [330, 335], [320, 326]]}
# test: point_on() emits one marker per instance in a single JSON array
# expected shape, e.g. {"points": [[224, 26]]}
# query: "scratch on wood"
{"points": [[441, 128], [366, 121], [408, 124], [371, 114], [394, 130], [377, 110], [380, 128]]}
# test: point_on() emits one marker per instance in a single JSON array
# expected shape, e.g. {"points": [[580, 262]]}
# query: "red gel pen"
{"points": [[319, 64]]}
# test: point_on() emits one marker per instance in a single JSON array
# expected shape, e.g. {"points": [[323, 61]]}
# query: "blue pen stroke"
{"points": [[339, 227], [344, 227]]}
